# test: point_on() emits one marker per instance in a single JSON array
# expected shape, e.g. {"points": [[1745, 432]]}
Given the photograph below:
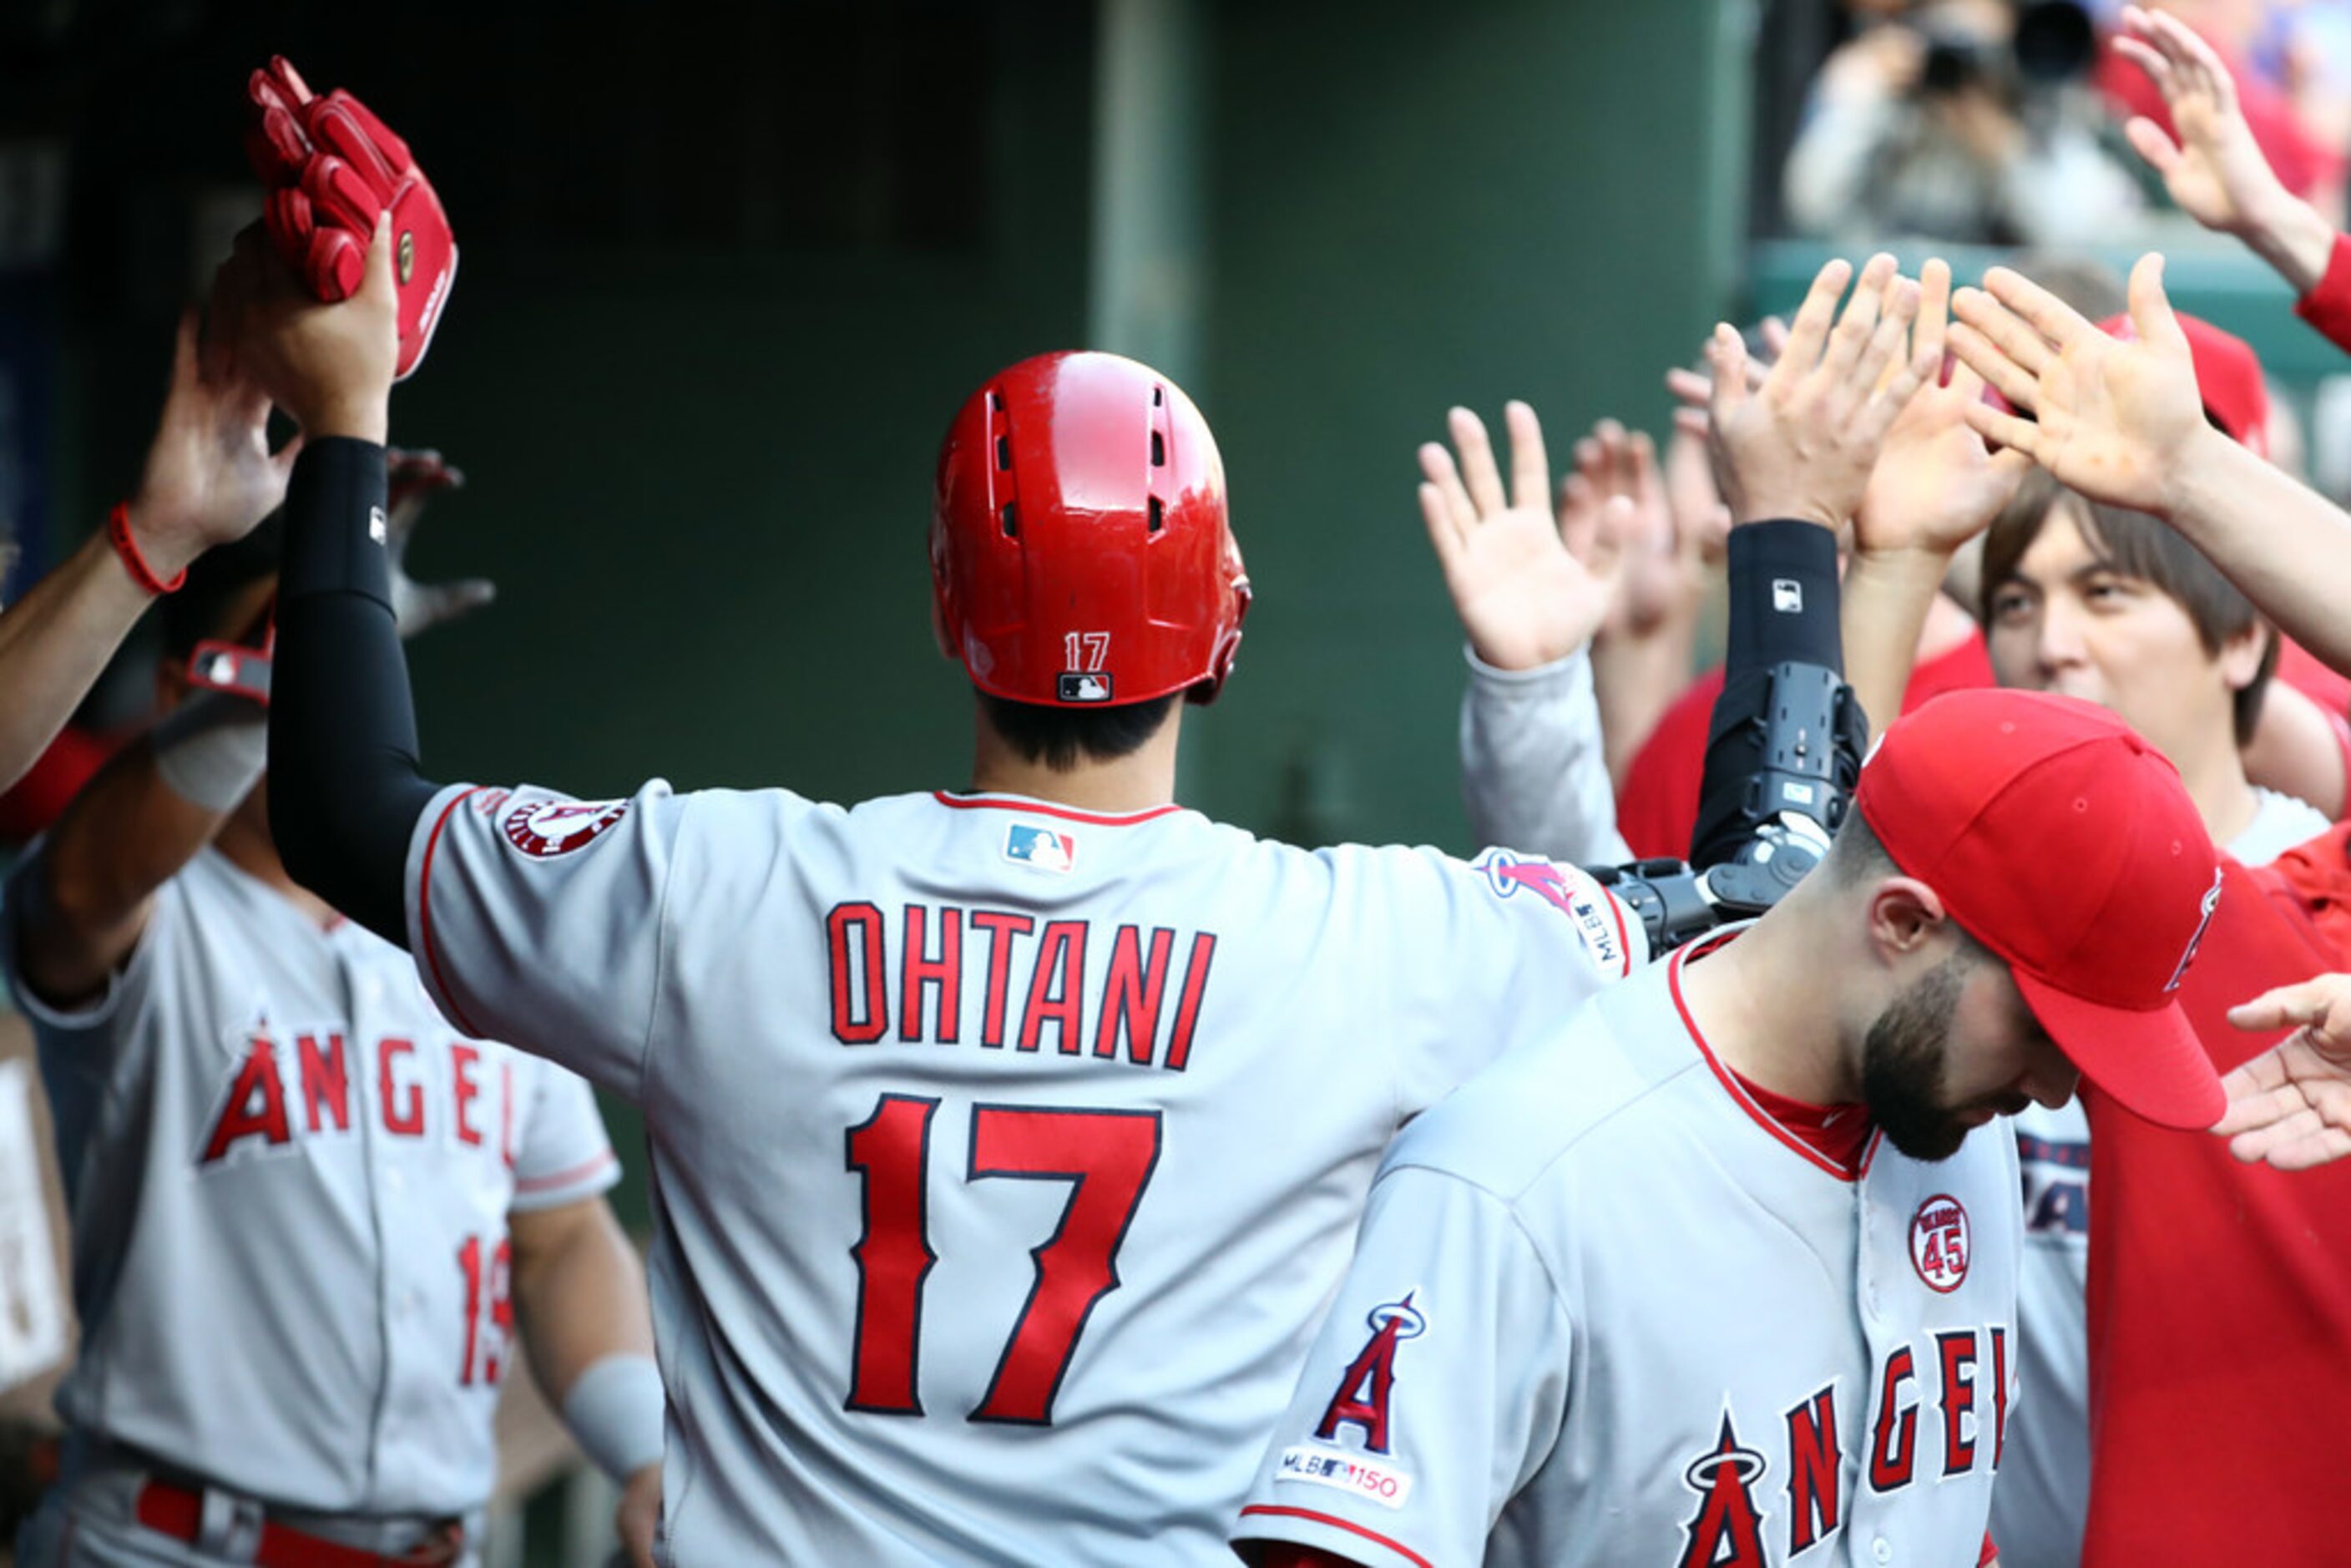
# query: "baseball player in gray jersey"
{"points": [[306, 1211], [1795, 1327], [1006, 1142]]}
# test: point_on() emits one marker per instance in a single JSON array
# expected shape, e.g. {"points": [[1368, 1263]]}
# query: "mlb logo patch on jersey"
{"points": [[1046, 848], [545, 828], [1384, 1484]]}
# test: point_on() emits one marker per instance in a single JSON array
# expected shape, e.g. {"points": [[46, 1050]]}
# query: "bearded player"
{"points": [[1726, 1270]]}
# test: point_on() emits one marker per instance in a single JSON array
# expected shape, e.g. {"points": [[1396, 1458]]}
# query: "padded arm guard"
{"points": [[330, 166]]}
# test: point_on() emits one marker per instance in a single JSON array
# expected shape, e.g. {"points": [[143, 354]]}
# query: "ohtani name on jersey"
{"points": [[908, 970], [1741, 1494], [302, 1086]]}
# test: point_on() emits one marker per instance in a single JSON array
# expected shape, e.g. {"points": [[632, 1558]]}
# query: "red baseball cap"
{"points": [[2067, 845], [2228, 376]]}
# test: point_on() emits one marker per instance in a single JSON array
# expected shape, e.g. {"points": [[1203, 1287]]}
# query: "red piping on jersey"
{"points": [[579, 1172], [1738, 1091], [1623, 938], [425, 916], [1096, 819], [1407, 1553]]}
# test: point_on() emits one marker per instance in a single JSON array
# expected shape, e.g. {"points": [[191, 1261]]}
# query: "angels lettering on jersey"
{"points": [[281, 1085], [1783, 1472], [1755, 1474]]}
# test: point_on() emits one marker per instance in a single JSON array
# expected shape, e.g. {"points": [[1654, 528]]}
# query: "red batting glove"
{"points": [[330, 166]]}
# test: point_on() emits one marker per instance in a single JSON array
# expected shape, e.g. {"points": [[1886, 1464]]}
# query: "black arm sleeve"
{"points": [[345, 790], [1783, 610]]}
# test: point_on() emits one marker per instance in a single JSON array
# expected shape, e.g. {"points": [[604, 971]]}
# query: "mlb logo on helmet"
{"points": [[1084, 686], [1043, 848]]}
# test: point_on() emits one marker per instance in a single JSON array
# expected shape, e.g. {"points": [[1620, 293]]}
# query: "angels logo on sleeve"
{"points": [[545, 828], [1363, 1388], [1597, 919]]}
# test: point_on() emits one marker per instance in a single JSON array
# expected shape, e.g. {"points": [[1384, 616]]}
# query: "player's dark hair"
{"points": [[2134, 545], [216, 580], [1061, 737]]}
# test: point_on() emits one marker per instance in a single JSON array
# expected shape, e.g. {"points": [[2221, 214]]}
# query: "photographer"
{"points": [[1962, 120]]}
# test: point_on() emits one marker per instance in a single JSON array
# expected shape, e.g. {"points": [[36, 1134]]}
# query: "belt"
{"points": [[178, 1512]]}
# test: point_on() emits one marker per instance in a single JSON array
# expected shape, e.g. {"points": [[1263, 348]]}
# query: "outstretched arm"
{"points": [[346, 787], [210, 477], [1801, 446], [162, 797], [2215, 173], [1935, 486], [1531, 588], [2122, 423]]}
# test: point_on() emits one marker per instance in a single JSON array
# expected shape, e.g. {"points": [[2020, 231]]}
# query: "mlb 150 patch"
{"points": [[1046, 848]]}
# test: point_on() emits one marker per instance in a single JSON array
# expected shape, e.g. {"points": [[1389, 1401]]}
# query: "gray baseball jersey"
{"points": [[1004, 1154], [1605, 1310], [2044, 1499], [289, 1179]]}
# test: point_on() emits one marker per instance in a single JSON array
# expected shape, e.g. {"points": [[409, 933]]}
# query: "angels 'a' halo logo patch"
{"points": [[545, 828], [1938, 1243]]}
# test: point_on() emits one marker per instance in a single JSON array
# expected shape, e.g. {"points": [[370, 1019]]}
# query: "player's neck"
{"points": [[1136, 783], [1763, 1008], [2224, 797], [244, 841]]}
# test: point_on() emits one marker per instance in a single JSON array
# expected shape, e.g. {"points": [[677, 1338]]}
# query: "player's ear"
{"points": [[1905, 916]]}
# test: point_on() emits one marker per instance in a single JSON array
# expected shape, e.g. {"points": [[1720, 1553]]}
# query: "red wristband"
{"points": [[118, 529]]}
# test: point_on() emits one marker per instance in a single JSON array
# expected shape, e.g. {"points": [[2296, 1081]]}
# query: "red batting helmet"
{"points": [[1078, 547]]}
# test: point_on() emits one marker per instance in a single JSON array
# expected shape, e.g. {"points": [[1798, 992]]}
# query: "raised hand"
{"points": [[330, 367], [2113, 419], [1937, 484], [2215, 172], [1801, 443], [210, 476], [1615, 515], [2291, 1105], [412, 479], [1524, 597]]}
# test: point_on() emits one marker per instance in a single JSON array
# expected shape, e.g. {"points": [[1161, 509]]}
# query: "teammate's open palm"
{"points": [[1524, 597], [2110, 418], [2215, 171], [209, 475], [1801, 444], [412, 478], [1936, 483], [2291, 1105]]}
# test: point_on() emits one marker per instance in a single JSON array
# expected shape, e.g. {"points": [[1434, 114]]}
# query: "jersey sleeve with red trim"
{"points": [[564, 1154], [538, 920], [1488, 954], [2329, 306], [1435, 1389]]}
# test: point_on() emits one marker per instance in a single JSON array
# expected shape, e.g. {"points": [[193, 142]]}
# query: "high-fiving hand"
{"points": [[1529, 587], [2113, 419], [412, 479], [1801, 443], [1937, 484]]}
